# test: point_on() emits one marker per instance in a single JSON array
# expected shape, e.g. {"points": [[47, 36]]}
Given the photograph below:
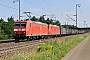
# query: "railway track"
{"points": [[10, 49], [7, 41]]}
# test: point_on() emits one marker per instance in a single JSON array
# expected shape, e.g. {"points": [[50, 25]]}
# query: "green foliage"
{"points": [[44, 47], [34, 18], [6, 28], [11, 19], [42, 19], [68, 26], [49, 21], [56, 23], [1, 20]]}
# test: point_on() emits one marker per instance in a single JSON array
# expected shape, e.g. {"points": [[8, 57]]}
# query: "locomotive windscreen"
{"points": [[20, 24], [23, 24]]}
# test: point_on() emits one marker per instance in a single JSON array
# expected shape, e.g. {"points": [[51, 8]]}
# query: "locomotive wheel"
{"points": [[27, 38], [16, 40]]}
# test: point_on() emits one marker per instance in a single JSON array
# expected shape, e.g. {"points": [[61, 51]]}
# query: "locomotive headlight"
{"points": [[23, 29], [15, 29]]}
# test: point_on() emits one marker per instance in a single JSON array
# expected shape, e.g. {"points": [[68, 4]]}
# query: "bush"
{"points": [[44, 47]]}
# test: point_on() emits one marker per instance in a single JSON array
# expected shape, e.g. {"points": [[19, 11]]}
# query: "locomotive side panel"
{"points": [[53, 30], [29, 28]]}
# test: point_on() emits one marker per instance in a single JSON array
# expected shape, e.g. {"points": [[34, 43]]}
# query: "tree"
{"points": [[47, 21], [10, 19], [7, 27], [10, 24], [57, 23], [34, 18], [42, 19], [69, 26], [1, 20], [51, 21]]}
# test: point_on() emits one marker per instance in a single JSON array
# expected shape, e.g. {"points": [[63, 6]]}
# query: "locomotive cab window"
{"points": [[17, 24], [23, 24], [20, 24]]}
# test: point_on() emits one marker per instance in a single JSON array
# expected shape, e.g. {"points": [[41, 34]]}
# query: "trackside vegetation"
{"points": [[49, 50], [6, 28]]}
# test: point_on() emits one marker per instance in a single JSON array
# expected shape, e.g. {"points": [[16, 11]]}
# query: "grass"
{"points": [[49, 50]]}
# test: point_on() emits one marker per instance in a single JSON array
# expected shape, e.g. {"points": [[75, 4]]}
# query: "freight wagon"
{"points": [[63, 31]]}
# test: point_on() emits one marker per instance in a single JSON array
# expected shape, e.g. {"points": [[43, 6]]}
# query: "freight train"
{"points": [[27, 29]]}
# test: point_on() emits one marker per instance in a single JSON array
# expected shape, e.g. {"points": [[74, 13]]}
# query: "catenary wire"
{"points": [[37, 6], [16, 8]]}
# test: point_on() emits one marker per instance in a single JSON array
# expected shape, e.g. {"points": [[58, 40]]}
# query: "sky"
{"points": [[53, 9]]}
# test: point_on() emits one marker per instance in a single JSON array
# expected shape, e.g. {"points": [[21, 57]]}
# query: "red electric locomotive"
{"points": [[33, 30], [20, 29]]}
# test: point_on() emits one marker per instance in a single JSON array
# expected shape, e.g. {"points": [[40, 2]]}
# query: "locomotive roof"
{"points": [[31, 21], [35, 22], [21, 21], [39, 22], [55, 25]]}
